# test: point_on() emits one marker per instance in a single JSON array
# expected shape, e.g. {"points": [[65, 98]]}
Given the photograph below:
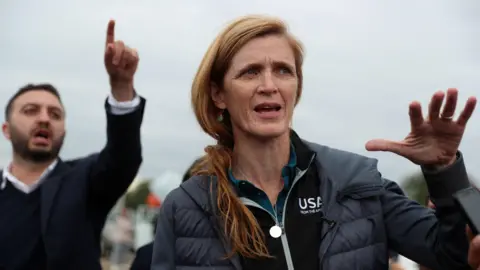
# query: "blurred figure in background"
{"points": [[188, 172], [122, 241], [430, 204], [143, 256]]}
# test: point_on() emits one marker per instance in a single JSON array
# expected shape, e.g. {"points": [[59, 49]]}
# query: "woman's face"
{"points": [[260, 87]]}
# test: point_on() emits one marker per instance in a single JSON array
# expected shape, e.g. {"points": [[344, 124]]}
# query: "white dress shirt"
{"points": [[116, 107]]}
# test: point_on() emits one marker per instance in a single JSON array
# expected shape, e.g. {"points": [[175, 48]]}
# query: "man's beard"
{"points": [[20, 144]]}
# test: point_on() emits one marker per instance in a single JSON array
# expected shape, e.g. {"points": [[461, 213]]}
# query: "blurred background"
{"points": [[131, 223], [365, 61]]}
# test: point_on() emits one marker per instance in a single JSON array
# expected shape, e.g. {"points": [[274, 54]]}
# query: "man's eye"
{"points": [[252, 71], [56, 115], [29, 111]]}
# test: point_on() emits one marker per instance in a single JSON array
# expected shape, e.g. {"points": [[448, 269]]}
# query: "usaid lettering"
{"points": [[310, 205]]}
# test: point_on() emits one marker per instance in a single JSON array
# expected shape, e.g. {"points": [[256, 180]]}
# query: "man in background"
{"points": [[53, 211]]}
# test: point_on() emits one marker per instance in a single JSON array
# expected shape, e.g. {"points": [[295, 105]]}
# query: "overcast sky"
{"points": [[365, 61]]}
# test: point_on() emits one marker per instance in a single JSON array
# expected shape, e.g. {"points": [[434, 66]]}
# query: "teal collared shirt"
{"points": [[248, 190]]}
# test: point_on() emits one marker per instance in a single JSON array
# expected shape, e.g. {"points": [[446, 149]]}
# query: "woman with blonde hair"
{"points": [[263, 198]]}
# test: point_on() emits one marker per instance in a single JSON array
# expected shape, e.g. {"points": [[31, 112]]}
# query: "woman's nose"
{"points": [[268, 83]]}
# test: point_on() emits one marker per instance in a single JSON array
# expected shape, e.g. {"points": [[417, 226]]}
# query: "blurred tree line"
{"points": [[416, 188], [138, 196]]}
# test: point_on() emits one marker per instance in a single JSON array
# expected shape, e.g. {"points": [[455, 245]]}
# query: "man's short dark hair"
{"points": [[27, 88], [188, 174]]}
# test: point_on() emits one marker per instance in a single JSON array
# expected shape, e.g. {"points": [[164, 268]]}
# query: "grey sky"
{"points": [[365, 61]]}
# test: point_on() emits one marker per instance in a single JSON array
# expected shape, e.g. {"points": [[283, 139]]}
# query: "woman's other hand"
{"points": [[434, 140]]}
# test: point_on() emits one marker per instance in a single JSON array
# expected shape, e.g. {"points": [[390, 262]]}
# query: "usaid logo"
{"points": [[310, 205]]}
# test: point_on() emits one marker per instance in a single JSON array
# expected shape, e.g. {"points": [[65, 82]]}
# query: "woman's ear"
{"points": [[218, 96]]}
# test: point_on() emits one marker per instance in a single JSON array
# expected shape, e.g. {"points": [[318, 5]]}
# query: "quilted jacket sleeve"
{"points": [[437, 239]]}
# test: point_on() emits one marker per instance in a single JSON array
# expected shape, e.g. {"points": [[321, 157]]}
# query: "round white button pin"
{"points": [[275, 231]]}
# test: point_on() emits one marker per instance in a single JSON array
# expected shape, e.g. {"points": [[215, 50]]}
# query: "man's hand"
{"points": [[121, 63], [396, 266], [474, 250]]}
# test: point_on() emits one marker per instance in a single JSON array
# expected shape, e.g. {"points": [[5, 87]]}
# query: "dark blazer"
{"points": [[78, 194], [143, 258]]}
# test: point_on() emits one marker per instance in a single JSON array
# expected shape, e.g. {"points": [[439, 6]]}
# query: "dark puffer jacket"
{"points": [[372, 217]]}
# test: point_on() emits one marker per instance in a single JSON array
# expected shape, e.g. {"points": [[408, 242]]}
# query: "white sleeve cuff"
{"points": [[125, 107]]}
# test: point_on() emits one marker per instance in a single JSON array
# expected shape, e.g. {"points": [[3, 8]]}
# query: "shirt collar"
{"points": [[7, 176]]}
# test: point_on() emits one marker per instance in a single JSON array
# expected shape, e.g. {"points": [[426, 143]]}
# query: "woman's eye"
{"points": [[284, 71]]}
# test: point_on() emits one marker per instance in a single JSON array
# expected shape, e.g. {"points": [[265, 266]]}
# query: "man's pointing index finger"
{"points": [[110, 32]]}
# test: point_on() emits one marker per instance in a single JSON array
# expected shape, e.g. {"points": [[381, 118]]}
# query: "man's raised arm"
{"points": [[114, 169]]}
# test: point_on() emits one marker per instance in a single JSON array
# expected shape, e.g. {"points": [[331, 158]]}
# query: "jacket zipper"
{"points": [[332, 230], [283, 236], [281, 224]]}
